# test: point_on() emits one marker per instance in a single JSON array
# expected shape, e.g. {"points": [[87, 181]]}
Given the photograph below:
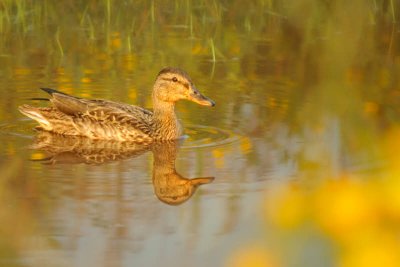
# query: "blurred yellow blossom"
{"points": [[381, 250], [132, 94], [342, 206], [245, 145], [371, 107], [86, 80], [116, 42], [390, 199], [86, 94], [357, 216], [218, 155], [288, 209], [37, 155], [252, 256]]}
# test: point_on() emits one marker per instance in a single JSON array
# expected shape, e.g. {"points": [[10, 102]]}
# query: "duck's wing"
{"points": [[67, 104], [98, 108], [98, 119], [115, 121]]}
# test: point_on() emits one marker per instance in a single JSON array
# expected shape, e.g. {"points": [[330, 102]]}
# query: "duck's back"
{"points": [[96, 119]]}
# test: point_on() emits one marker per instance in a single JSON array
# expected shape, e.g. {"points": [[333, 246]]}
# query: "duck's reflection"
{"points": [[169, 186]]}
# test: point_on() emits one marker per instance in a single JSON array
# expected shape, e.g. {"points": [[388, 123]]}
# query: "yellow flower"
{"points": [[37, 155], [288, 209], [86, 80], [390, 198], [371, 107], [252, 256], [219, 158], [381, 250], [245, 145], [342, 207]]}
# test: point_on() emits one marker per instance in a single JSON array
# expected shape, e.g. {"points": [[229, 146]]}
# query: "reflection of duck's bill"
{"points": [[180, 193], [201, 180]]}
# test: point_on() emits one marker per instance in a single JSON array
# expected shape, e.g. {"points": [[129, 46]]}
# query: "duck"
{"points": [[109, 120]]}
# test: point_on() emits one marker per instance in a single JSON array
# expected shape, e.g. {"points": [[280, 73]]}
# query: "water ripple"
{"points": [[196, 136], [208, 136]]}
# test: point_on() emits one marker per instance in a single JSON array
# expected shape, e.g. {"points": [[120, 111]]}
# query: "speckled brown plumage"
{"points": [[109, 120]]}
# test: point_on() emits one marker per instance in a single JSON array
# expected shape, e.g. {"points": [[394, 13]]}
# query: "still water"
{"points": [[304, 92]]}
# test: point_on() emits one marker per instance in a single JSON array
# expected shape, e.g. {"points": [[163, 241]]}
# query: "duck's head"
{"points": [[173, 84]]}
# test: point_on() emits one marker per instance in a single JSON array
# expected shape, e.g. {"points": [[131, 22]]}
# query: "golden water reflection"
{"points": [[169, 186], [101, 196]]}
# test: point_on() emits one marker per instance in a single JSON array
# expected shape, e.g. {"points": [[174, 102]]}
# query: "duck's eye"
{"points": [[174, 79]]}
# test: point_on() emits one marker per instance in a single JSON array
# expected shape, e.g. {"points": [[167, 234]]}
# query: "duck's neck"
{"points": [[166, 123]]}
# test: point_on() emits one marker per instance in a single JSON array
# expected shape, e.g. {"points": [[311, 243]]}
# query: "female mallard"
{"points": [[109, 120]]}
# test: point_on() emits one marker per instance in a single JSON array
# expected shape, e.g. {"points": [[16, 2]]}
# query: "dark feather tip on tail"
{"points": [[52, 91], [38, 98]]}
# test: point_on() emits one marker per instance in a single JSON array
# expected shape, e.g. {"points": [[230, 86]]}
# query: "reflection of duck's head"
{"points": [[175, 189], [169, 186]]}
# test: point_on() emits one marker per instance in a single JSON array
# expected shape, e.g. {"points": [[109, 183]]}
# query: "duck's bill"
{"points": [[202, 100]]}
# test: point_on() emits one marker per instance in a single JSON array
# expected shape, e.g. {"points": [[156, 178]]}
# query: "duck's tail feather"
{"points": [[35, 114], [38, 98], [46, 161], [51, 91]]}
